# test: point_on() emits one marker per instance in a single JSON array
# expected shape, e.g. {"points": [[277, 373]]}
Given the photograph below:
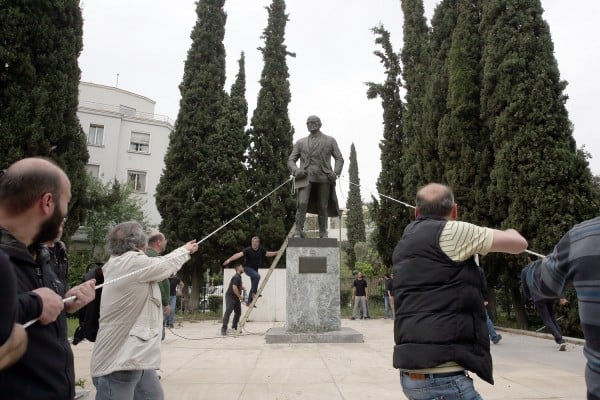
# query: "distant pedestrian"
{"points": [[360, 294], [388, 297], [494, 337], [175, 285]]}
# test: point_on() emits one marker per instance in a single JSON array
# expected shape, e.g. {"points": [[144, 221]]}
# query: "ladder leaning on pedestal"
{"points": [[264, 281]]}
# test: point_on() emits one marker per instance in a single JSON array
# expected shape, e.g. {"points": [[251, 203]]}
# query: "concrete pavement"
{"points": [[208, 366]]}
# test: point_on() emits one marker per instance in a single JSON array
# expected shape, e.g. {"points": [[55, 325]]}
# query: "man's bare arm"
{"points": [[234, 257], [509, 241]]}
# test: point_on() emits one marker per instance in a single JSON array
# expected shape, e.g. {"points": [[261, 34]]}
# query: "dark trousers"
{"points": [[232, 304], [323, 190], [545, 309]]}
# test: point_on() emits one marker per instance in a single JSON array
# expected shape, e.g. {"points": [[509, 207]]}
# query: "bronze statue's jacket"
{"points": [[325, 149]]}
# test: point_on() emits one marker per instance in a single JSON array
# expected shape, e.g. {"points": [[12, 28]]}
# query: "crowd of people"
{"points": [[436, 295]]}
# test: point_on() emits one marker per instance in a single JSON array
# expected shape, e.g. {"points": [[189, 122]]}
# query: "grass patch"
{"points": [[72, 324]]}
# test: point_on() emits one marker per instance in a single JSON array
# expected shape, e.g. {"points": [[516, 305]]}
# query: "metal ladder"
{"points": [[264, 281]]}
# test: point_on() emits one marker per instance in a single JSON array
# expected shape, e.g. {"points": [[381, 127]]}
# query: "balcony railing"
{"points": [[118, 111]]}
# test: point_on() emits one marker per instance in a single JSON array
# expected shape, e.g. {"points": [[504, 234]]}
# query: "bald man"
{"points": [[34, 195], [440, 322]]}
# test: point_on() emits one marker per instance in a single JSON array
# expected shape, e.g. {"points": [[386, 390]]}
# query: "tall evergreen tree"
{"points": [[271, 135], [202, 184], [355, 222], [426, 145], [464, 147], [421, 163], [39, 78], [390, 217], [540, 182], [235, 141]]}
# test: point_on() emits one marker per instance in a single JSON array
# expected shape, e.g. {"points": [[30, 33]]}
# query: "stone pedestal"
{"points": [[313, 295]]}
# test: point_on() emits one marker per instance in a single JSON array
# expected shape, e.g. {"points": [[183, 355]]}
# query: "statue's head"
{"points": [[313, 123]]}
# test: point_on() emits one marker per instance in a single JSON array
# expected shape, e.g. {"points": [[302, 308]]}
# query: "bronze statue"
{"points": [[315, 179]]}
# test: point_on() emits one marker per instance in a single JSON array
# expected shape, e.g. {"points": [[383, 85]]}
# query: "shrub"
{"points": [[214, 303], [345, 295]]}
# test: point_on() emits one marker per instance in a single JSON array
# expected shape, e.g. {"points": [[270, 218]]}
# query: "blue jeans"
{"points": [[127, 385], [388, 308], [457, 387], [254, 279], [171, 316], [490, 326]]}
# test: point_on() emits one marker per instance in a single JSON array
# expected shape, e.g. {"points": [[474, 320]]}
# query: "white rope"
{"points": [[379, 194], [71, 298], [413, 207]]}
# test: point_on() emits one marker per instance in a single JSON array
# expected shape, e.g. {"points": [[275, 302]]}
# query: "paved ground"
{"points": [[245, 368]]}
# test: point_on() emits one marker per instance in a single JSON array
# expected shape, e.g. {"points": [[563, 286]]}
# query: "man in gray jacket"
{"points": [[315, 179]]}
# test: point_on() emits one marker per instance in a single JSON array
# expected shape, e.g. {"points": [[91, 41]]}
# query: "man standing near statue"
{"points": [[314, 178]]}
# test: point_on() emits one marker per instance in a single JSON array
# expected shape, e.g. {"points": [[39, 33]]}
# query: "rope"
{"points": [[71, 298], [413, 207], [379, 194]]}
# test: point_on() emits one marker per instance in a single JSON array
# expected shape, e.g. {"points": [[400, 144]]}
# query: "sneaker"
{"points": [[497, 339], [562, 346], [224, 332]]}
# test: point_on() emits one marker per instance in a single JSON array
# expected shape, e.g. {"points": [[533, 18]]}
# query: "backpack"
{"points": [[89, 315]]}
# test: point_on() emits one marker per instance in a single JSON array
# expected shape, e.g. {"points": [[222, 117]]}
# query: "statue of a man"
{"points": [[315, 179]]}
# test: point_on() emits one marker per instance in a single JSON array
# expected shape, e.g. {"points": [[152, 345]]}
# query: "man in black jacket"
{"points": [[34, 194], [439, 327]]}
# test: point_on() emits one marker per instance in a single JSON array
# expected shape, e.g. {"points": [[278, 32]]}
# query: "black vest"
{"points": [[440, 315]]}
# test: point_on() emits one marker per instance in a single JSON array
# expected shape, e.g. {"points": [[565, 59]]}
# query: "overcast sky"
{"points": [[146, 43]]}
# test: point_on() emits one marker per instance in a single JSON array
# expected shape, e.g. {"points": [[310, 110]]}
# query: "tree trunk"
{"points": [[196, 285]]}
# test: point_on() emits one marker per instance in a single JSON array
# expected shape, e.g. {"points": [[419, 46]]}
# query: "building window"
{"points": [[96, 135], [137, 181], [140, 142], [93, 170]]}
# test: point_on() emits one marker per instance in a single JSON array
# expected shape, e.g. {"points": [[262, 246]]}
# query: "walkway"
{"points": [[245, 368]]}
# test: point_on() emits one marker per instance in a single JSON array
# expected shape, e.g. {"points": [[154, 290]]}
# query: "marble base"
{"points": [[344, 335], [313, 285]]}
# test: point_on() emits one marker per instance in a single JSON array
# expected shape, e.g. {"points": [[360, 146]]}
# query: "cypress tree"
{"points": [[464, 147], [421, 163], [271, 135], [39, 79], [235, 141], [199, 189], [355, 223], [389, 216], [425, 148], [540, 182]]}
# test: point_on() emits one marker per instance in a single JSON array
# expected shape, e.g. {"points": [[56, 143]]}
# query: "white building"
{"points": [[126, 140]]}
